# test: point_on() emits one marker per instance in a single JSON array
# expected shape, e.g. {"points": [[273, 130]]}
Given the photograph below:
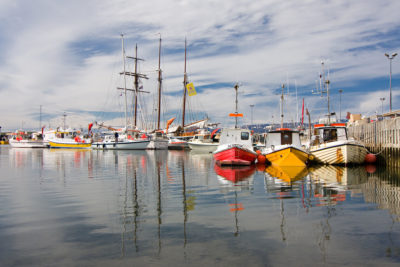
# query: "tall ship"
{"points": [[125, 138]]}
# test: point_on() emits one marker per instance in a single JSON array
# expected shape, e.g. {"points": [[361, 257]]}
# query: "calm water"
{"points": [[95, 208]]}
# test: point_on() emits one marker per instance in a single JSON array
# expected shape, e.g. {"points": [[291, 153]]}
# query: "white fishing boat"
{"points": [[204, 142], [331, 145], [24, 140]]}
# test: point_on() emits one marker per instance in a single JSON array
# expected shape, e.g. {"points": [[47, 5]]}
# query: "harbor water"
{"points": [[175, 208]]}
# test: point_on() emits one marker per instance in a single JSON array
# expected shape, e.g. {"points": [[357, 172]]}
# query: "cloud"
{"points": [[67, 55]]}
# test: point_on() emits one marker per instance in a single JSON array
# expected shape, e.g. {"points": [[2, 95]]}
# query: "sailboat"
{"points": [[283, 146], [179, 140], [235, 145], [330, 143], [159, 140], [125, 138]]}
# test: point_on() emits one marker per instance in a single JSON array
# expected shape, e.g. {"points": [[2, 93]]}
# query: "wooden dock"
{"points": [[381, 138]]}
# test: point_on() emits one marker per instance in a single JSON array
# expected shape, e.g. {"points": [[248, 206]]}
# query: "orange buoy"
{"points": [[261, 159], [370, 158], [370, 168], [258, 152]]}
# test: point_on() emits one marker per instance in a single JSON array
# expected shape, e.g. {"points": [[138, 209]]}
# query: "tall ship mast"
{"points": [[184, 91], [159, 86]]}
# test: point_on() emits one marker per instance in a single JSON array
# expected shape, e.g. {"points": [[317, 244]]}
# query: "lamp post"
{"points": [[382, 99], [340, 104], [390, 86], [251, 106]]}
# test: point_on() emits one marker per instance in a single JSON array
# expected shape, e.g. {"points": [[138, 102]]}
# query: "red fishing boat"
{"points": [[235, 145]]}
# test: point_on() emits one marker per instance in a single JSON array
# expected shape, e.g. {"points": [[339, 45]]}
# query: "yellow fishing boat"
{"points": [[70, 139], [283, 148]]}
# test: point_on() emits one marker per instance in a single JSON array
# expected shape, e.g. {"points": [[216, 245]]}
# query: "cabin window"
{"points": [[330, 135], [244, 136], [286, 138]]}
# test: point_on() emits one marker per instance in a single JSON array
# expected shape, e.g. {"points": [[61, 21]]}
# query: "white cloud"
{"points": [[66, 55]]}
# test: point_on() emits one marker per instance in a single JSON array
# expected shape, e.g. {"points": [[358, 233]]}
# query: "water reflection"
{"points": [[169, 207]]}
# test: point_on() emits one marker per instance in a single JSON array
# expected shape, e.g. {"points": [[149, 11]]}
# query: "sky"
{"points": [[64, 57]]}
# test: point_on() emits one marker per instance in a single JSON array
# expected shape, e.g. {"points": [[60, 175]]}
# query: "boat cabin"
{"points": [[283, 136], [329, 133], [236, 136]]}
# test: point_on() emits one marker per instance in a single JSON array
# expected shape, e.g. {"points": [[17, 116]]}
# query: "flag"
{"points": [[90, 126], [191, 89], [302, 113]]}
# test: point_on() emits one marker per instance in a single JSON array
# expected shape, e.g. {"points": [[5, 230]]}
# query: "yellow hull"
{"points": [[288, 174], [70, 145], [288, 157], [3, 142]]}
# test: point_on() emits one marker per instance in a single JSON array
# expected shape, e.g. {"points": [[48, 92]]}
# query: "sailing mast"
{"points": [[283, 87], [136, 90], [126, 103], [184, 92], [159, 85]]}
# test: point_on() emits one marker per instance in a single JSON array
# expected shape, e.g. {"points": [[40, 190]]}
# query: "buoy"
{"points": [[261, 159], [370, 158], [258, 152]]}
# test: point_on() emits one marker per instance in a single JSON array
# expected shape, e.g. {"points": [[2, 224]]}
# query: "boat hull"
{"points": [[234, 155], [289, 156], [65, 143], [177, 144], [347, 153], [203, 147], [125, 145], [28, 143], [158, 144]]}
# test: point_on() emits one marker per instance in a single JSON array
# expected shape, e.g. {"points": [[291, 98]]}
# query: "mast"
{"points": [[40, 118], [326, 87], [236, 105], [126, 103], [159, 85], [283, 87], [136, 90], [136, 87], [184, 92]]}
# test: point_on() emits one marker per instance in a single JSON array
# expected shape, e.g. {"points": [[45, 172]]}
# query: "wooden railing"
{"points": [[380, 137]]}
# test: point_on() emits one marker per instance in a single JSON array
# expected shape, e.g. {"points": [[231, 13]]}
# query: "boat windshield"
{"points": [[244, 135]]}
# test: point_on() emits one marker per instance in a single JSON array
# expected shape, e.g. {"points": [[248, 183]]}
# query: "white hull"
{"points": [[158, 144], [177, 144], [123, 145], [339, 153], [28, 143], [203, 147]]}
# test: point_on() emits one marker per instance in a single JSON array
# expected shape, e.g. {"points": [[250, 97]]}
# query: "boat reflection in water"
{"points": [[281, 177], [237, 176], [232, 180]]}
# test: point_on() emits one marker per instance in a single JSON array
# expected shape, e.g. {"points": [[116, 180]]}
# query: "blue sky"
{"points": [[66, 56]]}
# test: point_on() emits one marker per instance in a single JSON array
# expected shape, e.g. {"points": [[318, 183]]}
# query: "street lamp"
{"points": [[340, 104], [251, 106], [390, 95], [382, 99]]}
